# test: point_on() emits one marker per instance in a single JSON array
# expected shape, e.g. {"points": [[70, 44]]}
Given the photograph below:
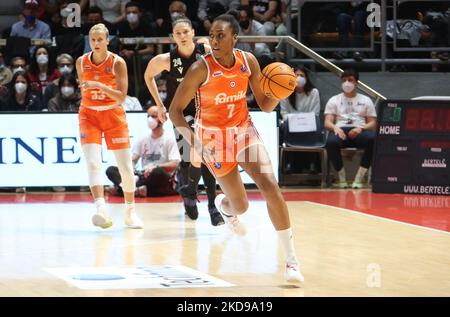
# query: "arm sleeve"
{"points": [[371, 112], [331, 107], [315, 101]]}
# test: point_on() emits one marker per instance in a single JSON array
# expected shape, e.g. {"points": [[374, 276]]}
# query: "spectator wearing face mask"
{"points": [[251, 27], [65, 65], [304, 99], [18, 63], [20, 96], [135, 26], [42, 69], [351, 119], [158, 152], [68, 97], [31, 26]]}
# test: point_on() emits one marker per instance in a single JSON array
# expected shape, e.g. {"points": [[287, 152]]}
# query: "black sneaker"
{"points": [[216, 217], [190, 205]]}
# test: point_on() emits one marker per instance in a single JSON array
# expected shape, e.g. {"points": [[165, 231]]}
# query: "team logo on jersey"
{"points": [[83, 135], [96, 78], [222, 97], [176, 62], [180, 69], [217, 73], [218, 166], [107, 69], [243, 68], [232, 84], [87, 67]]}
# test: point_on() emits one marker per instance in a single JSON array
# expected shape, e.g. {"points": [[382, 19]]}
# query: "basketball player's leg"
{"points": [[118, 140], [190, 176], [256, 163], [91, 145], [210, 185], [92, 154], [125, 165], [233, 201]]}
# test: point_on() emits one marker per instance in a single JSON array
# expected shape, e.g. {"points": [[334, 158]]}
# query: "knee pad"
{"points": [[92, 154]]}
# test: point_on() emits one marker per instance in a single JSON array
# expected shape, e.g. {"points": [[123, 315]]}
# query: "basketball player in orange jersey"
{"points": [[104, 84], [225, 136], [176, 63]]}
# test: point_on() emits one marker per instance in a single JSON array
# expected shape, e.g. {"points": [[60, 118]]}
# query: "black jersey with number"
{"points": [[178, 68]]}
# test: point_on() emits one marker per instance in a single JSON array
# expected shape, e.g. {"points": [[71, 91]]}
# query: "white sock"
{"points": [[100, 204], [129, 206], [342, 177], [360, 174], [287, 241]]}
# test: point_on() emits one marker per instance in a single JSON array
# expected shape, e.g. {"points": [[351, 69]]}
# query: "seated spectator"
{"points": [[174, 10], [208, 10], [135, 26], [135, 55], [113, 10], [68, 96], [159, 157], [20, 96], [31, 27], [304, 99], [351, 19], [351, 119], [18, 63], [265, 11], [42, 69], [94, 16], [65, 65], [67, 37], [249, 26], [131, 104]]}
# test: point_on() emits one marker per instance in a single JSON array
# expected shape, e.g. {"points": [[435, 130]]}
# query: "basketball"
{"points": [[278, 80]]}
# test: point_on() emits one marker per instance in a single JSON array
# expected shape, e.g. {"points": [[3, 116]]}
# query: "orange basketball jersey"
{"points": [[221, 100], [103, 73]]}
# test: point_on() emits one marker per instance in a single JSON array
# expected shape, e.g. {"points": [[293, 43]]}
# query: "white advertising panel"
{"points": [[43, 149]]}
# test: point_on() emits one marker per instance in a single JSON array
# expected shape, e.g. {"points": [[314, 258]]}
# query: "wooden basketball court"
{"points": [[351, 243]]}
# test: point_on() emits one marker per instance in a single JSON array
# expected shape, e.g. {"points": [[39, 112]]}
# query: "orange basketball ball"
{"points": [[278, 80]]}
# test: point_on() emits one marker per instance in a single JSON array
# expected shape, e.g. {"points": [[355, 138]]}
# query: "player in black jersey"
{"points": [[175, 64]]}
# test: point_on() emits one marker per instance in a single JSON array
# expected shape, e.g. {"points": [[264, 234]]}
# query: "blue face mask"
{"points": [[30, 19]]}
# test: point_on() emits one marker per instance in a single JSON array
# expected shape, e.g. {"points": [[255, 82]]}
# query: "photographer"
{"points": [[159, 159]]}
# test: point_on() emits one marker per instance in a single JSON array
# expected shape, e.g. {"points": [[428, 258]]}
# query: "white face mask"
{"points": [[152, 123], [42, 59], [132, 17], [163, 95], [20, 87], [67, 91], [175, 15], [348, 87], [65, 69], [17, 69], [301, 81]]}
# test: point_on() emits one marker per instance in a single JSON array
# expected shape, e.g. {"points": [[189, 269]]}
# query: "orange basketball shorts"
{"points": [[111, 123], [225, 146]]}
